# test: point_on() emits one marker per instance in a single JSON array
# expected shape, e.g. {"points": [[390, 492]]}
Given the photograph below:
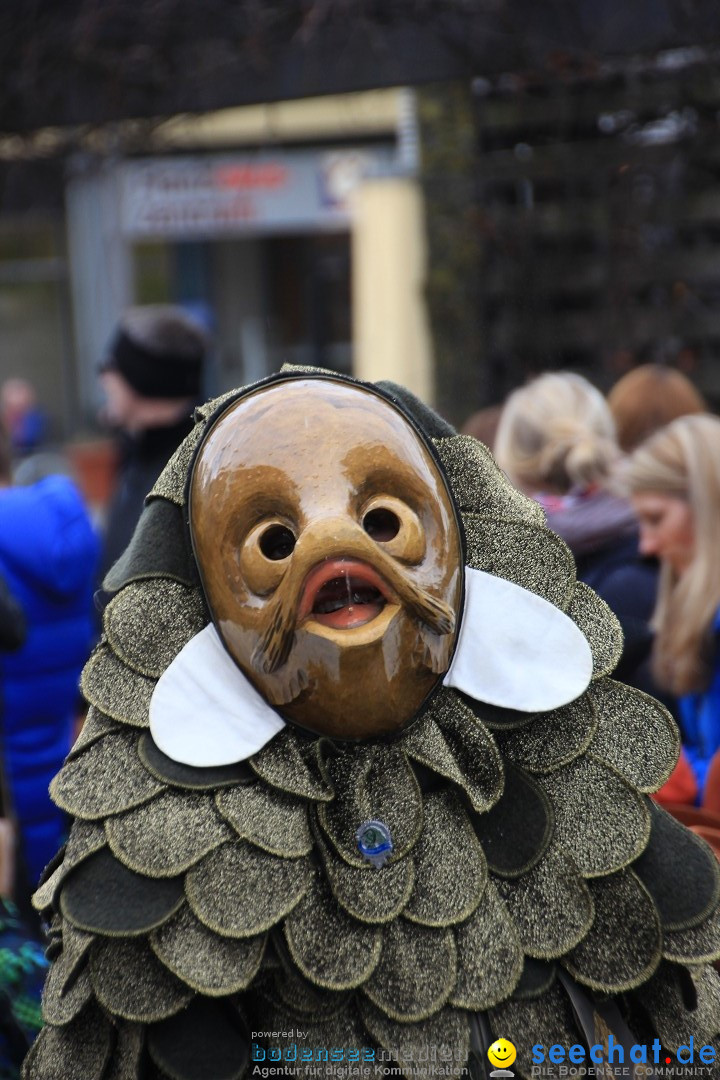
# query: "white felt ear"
{"points": [[516, 649], [204, 711]]}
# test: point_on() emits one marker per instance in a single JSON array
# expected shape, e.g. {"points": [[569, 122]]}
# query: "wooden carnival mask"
{"points": [[329, 552]]}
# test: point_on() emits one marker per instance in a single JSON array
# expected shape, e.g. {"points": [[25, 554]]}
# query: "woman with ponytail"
{"points": [[556, 442]]}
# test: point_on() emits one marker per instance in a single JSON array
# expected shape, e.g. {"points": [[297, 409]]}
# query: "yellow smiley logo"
{"points": [[502, 1053]]}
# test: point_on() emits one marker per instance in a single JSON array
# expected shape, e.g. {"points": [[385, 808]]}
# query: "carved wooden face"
{"points": [[329, 552]]}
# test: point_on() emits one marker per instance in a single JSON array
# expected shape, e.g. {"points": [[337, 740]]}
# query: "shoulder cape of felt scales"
{"points": [[192, 904]]}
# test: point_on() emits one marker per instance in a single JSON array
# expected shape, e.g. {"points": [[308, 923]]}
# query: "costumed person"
{"points": [[356, 783], [152, 378], [48, 558], [674, 480]]}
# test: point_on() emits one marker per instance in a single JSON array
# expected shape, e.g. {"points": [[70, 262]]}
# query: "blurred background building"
{"points": [[452, 195], [270, 224]]}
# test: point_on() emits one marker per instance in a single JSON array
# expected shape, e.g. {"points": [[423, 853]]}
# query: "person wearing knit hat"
{"points": [[152, 377]]}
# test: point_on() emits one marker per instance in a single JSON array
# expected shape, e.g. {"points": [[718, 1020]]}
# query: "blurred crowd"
{"points": [[631, 482], [54, 552]]}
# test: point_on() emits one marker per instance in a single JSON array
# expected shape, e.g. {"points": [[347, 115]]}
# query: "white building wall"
{"points": [[391, 335]]}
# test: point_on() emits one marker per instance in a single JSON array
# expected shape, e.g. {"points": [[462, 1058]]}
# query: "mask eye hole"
{"points": [[277, 542], [381, 524]]}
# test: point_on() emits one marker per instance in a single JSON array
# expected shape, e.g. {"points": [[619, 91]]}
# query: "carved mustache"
{"points": [[349, 543]]}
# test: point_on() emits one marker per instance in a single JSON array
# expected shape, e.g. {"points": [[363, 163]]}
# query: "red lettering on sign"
{"points": [[250, 176]]}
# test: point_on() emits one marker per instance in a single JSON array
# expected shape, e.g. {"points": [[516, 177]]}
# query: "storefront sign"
{"points": [[243, 193]]}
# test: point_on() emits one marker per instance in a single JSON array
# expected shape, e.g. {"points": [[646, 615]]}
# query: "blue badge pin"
{"points": [[374, 842]]}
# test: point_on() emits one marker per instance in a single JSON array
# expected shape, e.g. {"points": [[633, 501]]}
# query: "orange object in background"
{"points": [[94, 465], [711, 795], [681, 788]]}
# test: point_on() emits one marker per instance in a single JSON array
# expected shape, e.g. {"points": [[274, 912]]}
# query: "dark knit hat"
{"points": [[164, 369]]}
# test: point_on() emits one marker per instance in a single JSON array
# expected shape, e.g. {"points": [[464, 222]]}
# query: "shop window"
{"points": [[308, 286]]}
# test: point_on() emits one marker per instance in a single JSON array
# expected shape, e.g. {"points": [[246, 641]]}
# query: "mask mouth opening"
{"points": [[343, 593]]}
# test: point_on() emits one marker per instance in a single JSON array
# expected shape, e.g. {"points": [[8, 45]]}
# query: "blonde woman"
{"points": [[674, 482], [556, 441], [556, 436]]}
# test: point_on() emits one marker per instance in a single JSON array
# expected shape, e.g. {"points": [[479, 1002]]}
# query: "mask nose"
{"points": [[388, 527], [330, 538]]}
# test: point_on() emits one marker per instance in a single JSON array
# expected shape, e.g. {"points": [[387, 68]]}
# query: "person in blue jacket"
{"points": [[48, 557], [674, 480]]}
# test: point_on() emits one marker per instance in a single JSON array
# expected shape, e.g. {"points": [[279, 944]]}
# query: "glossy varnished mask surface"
{"points": [[329, 553]]}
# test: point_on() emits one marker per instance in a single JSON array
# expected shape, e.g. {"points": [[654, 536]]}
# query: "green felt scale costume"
{"points": [[192, 905]]}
